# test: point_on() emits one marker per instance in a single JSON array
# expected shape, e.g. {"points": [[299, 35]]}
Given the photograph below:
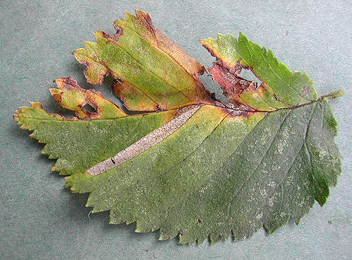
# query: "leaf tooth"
{"points": [[170, 235], [142, 227], [162, 237], [45, 150], [16, 116], [155, 228], [89, 201], [183, 239], [130, 221], [24, 126], [201, 239], [219, 35], [69, 183], [128, 16], [116, 220], [34, 135], [298, 219], [214, 238], [54, 169], [72, 189], [97, 210], [51, 156], [138, 230]]}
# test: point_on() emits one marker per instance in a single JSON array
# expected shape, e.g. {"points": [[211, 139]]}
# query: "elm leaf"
{"points": [[184, 163]]}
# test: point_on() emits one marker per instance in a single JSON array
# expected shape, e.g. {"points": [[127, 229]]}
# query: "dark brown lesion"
{"points": [[229, 80], [115, 38], [119, 32]]}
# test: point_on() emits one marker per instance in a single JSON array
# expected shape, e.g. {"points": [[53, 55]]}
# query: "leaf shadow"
{"points": [[78, 212]]}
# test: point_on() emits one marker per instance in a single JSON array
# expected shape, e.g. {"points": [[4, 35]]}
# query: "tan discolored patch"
{"points": [[146, 142]]}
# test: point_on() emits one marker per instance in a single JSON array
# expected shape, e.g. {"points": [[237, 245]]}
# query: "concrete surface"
{"points": [[41, 220]]}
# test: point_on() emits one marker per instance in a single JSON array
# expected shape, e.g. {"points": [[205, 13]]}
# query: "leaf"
{"points": [[193, 167]]}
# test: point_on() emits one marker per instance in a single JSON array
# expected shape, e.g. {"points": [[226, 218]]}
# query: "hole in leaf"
{"points": [[212, 87], [249, 75], [88, 108]]}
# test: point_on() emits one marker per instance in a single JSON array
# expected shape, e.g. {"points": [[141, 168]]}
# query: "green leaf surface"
{"points": [[194, 168]]}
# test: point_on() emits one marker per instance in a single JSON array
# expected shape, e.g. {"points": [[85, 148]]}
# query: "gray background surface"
{"points": [[41, 220]]}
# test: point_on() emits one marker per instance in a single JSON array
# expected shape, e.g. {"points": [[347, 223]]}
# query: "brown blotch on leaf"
{"points": [[118, 33], [228, 79]]}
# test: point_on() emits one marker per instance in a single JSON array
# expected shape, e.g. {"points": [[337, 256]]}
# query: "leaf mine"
{"points": [[145, 143]]}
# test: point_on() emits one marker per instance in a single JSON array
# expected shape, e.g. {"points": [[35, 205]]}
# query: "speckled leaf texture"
{"points": [[183, 162]]}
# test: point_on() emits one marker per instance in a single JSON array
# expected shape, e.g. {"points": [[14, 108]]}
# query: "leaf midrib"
{"points": [[201, 104]]}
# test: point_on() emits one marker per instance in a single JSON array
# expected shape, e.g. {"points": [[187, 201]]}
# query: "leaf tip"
{"points": [[334, 94]]}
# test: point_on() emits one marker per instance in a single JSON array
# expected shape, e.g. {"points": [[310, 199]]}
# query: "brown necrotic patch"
{"points": [[231, 84]]}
